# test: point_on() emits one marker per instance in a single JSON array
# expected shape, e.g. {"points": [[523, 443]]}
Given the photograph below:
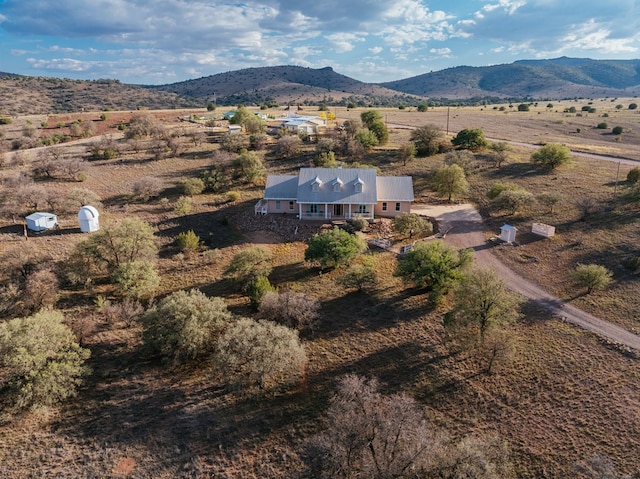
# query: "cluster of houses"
{"points": [[306, 126]]}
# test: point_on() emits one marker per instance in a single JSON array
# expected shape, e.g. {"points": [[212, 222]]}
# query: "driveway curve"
{"points": [[465, 229]]}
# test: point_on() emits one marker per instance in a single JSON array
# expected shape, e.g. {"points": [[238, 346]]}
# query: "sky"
{"points": [[166, 41]]}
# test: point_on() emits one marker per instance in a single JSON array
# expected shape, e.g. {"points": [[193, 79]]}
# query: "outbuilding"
{"points": [[508, 233], [88, 218], [41, 221]]}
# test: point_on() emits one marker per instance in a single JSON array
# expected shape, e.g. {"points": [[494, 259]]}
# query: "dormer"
{"points": [[337, 185], [358, 184], [316, 184]]}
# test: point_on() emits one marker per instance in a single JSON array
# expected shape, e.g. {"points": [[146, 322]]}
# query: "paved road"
{"points": [[466, 230]]}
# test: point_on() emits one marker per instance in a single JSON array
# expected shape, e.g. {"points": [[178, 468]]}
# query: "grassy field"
{"points": [[562, 397]]}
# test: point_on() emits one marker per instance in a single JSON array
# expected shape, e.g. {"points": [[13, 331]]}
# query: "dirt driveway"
{"points": [[465, 230]]}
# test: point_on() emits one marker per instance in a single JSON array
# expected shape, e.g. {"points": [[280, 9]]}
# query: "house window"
{"points": [[384, 206], [290, 205], [358, 187], [363, 209], [336, 187], [277, 204], [312, 208], [397, 206], [315, 187]]}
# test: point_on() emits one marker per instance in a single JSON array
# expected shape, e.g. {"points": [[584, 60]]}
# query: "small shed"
{"points": [[508, 233], [40, 221], [542, 229], [88, 218], [234, 129]]}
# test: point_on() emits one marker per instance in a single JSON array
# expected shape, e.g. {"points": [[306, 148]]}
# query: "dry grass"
{"points": [[563, 397]]}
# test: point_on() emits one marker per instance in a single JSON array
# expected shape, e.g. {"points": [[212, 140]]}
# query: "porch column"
{"points": [[326, 211], [350, 211], [299, 211]]}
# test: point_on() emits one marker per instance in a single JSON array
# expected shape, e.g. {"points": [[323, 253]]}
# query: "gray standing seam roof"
{"points": [[346, 193], [395, 188], [281, 187]]}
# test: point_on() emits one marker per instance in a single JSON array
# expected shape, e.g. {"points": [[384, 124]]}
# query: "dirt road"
{"points": [[466, 230]]}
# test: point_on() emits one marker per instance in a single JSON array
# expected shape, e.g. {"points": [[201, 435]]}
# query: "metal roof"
{"points": [[281, 187], [345, 193], [395, 188]]}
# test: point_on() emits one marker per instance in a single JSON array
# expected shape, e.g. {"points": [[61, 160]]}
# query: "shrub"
{"points": [[602, 126], [287, 146], [523, 107], [617, 130], [249, 264], [147, 187], [192, 186], [188, 241], [514, 200], [40, 290], [360, 224], [634, 175], [126, 311], [233, 196], [136, 279], [257, 289], [44, 363], [366, 138], [428, 139], [470, 139], [294, 310], [260, 355], [334, 248], [552, 155], [592, 276], [184, 325], [5, 121], [183, 205], [411, 224], [633, 106], [359, 276], [249, 166]]}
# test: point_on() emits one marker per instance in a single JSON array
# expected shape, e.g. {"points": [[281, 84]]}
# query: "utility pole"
{"points": [[448, 108]]}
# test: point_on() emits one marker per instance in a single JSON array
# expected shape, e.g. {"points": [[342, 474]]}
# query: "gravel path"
{"points": [[466, 230]]}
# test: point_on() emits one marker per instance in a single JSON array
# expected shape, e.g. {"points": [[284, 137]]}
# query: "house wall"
{"points": [[284, 206], [391, 212]]}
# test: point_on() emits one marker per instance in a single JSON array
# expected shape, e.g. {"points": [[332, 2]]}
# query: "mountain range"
{"points": [[522, 80]]}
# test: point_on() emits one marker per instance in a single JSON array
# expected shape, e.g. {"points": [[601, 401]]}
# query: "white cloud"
{"points": [[376, 50], [344, 42], [443, 52], [62, 64]]}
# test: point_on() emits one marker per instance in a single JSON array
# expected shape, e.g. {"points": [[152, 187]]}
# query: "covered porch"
{"points": [[334, 211]]}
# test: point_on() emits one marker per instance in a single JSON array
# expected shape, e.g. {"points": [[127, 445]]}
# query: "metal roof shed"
{"points": [[41, 221]]}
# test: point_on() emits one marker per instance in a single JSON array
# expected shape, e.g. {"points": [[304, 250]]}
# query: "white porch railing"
{"points": [[260, 208]]}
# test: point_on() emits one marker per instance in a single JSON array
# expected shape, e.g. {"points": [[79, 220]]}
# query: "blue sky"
{"points": [[165, 41]]}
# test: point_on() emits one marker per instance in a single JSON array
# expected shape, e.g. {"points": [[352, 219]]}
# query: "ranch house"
{"points": [[336, 193]]}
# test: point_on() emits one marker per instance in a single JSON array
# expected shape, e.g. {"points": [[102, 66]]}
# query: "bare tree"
{"points": [[294, 310]]}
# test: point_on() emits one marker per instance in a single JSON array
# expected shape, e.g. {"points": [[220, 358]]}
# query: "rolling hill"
{"points": [[524, 79]]}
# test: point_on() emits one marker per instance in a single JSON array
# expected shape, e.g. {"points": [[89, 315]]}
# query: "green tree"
{"points": [[260, 356], [450, 180], [334, 248], [523, 107], [114, 245], [257, 289], [422, 107], [634, 175], [249, 166], [366, 138], [552, 155], [249, 264], [326, 160], [470, 139], [407, 152], [369, 117], [241, 116], [499, 152], [514, 200], [434, 266], [633, 106], [379, 129], [411, 224], [617, 130], [592, 276], [254, 125], [428, 139], [550, 199], [137, 279], [184, 325], [43, 362], [482, 303], [360, 276]]}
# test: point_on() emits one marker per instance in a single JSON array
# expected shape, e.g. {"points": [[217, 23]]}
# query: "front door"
{"points": [[337, 210]]}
